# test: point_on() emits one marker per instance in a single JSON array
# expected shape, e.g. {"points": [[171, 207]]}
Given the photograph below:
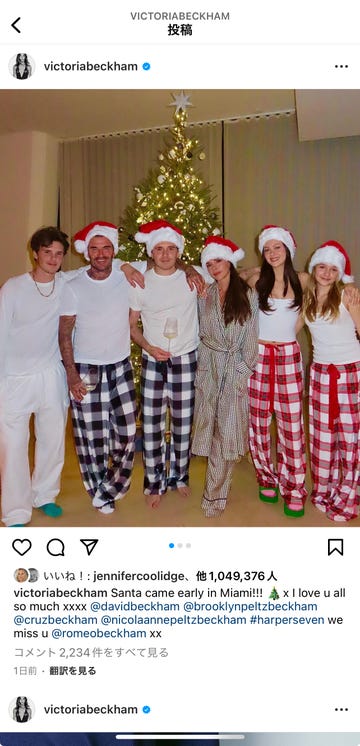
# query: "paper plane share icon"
{"points": [[89, 545]]}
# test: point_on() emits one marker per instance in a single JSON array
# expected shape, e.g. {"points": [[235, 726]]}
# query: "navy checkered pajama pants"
{"points": [[164, 385], [104, 426]]}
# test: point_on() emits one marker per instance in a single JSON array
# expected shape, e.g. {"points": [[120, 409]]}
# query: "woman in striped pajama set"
{"points": [[276, 386], [227, 356], [334, 394]]}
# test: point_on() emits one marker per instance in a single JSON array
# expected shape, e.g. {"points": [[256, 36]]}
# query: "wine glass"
{"points": [[170, 329], [91, 379]]}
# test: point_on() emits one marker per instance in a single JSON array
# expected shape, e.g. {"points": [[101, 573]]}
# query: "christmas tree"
{"points": [[274, 594], [173, 191]]}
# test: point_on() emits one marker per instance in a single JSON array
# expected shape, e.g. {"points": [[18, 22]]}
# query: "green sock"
{"points": [[51, 510]]}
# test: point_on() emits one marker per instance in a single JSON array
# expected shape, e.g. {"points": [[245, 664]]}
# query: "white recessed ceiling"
{"points": [[327, 114]]}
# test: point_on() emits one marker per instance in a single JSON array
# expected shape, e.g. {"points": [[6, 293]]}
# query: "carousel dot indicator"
{"points": [[171, 545]]}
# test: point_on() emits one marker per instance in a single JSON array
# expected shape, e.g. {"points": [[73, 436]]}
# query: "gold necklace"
{"points": [[44, 295]]}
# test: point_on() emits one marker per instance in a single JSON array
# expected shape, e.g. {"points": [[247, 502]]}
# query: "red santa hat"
{"points": [[158, 231], [99, 228], [216, 247], [331, 252], [277, 233]]}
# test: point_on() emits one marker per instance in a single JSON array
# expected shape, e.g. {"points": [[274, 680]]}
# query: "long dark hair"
{"points": [[266, 281], [18, 60], [18, 703], [236, 305]]}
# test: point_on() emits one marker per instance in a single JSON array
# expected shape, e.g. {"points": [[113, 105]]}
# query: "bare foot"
{"points": [[153, 501], [184, 490]]}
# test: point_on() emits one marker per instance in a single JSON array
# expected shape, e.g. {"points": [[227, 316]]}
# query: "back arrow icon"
{"points": [[13, 25]]}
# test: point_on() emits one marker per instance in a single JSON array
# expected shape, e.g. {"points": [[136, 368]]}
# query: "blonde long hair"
{"points": [[331, 307]]}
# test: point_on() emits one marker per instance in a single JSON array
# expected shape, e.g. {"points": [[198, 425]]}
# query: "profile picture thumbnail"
{"points": [[21, 709], [21, 66], [21, 575]]}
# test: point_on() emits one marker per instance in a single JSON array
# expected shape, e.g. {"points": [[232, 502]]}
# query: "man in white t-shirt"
{"points": [[32, 381], [168, 311], [94, 338]]}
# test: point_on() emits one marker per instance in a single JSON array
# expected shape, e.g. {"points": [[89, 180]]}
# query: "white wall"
{"points": [[28, 195]]}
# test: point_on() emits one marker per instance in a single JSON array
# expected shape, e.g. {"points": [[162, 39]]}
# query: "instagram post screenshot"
{"points": [[179, 375]]}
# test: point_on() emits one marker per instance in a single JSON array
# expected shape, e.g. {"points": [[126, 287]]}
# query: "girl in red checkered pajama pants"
{"points": [[276, 386], [334, 396]]}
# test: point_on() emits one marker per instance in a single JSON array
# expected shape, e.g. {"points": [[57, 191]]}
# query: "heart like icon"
{"points": [[21, 546]]}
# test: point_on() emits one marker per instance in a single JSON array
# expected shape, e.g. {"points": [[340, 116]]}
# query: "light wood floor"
{"points": [[243, 508]]}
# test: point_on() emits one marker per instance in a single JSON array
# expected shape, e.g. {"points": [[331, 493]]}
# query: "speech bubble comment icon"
{"points": [[56, 548]]}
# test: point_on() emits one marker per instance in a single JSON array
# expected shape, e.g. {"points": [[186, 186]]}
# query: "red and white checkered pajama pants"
{"points": [[276, 387], [334, 424]]}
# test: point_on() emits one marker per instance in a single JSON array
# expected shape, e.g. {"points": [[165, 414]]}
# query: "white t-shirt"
{"points": [[29, 324], [101, 307], [167, 296]]}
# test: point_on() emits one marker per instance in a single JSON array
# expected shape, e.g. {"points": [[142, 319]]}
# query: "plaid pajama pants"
{"points": [[168, 384], [334, 423], [104, 424], [218, 478], [276, 387]]}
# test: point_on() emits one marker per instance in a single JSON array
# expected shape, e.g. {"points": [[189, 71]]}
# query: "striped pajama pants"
{"points": [[276, 387], [167, 385], [104, 425], [334, 423]]}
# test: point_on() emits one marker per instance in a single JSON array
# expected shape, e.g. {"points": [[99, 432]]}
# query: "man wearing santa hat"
{"points": [[168, 311], [95, 307]]}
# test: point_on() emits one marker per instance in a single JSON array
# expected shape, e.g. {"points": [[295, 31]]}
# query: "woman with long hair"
{"points": [[22, 68], [227, 356], [22, 710], [334, 393], [276, 386]]}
